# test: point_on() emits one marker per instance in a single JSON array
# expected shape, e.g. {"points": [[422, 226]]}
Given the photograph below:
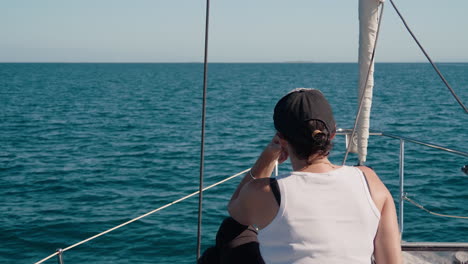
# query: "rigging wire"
{"points": [[433, 213], [145, 215], [429, 59], [202, 144], [361, 99]]}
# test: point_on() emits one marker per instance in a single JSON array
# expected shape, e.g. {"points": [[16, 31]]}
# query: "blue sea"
{"points": [[85, 147]]}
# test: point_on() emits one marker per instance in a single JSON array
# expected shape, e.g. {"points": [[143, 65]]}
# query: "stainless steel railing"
{"points": [[402, 194]]}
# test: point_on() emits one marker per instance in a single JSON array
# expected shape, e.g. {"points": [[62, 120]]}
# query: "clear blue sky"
{"points": [[241, 31]]}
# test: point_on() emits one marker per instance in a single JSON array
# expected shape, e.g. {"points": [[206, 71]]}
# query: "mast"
{"points": [[368, 31]]}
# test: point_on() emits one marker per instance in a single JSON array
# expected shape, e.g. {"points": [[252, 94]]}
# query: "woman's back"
{"points": [[323, 218]]}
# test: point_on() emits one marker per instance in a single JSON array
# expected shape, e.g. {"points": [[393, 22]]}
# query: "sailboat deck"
{"points": [[434, 252]]}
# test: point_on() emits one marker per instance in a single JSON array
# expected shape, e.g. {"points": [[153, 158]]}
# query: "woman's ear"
{"points": [[332, 136]]}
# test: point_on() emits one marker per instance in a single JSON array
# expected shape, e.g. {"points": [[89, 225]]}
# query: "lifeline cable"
{"points": [[433, 213], [202, 144], [429, 59], [361, 99], [144, 215]]}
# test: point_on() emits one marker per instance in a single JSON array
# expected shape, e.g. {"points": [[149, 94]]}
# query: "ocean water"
{"points": [[85, 147]]}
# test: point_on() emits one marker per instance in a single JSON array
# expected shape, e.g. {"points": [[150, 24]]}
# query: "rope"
{"points": [[144, 215], [361, 99], [433, 213], [430, 60], [202, 143]]}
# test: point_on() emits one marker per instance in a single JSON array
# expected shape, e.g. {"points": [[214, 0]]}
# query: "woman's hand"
{"points": [[276, 149]]}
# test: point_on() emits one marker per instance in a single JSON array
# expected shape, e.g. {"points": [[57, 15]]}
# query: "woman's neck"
{"points": [[317, 165]]}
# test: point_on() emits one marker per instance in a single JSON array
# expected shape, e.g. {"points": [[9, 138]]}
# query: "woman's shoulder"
{"points": [[377, 188]]}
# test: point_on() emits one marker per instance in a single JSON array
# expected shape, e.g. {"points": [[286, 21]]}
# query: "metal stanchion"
{"points": [[402, 184], [60, 256], [276, 169]]}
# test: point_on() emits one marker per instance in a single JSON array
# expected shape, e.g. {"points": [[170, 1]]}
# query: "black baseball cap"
{"points": [[299, 106]]}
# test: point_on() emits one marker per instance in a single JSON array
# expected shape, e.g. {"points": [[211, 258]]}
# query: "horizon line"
{"points": [[220, 62]]}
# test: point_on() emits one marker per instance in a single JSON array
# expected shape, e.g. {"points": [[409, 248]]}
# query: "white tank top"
{"points": [[323, 218]]}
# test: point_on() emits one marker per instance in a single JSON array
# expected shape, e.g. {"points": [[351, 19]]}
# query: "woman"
{"points": [[321, 212]]}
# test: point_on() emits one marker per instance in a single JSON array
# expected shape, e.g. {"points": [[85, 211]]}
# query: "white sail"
{"points": [[368, 26]]}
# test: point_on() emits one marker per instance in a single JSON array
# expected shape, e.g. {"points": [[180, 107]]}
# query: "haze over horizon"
{"points": [[260, 31]]}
